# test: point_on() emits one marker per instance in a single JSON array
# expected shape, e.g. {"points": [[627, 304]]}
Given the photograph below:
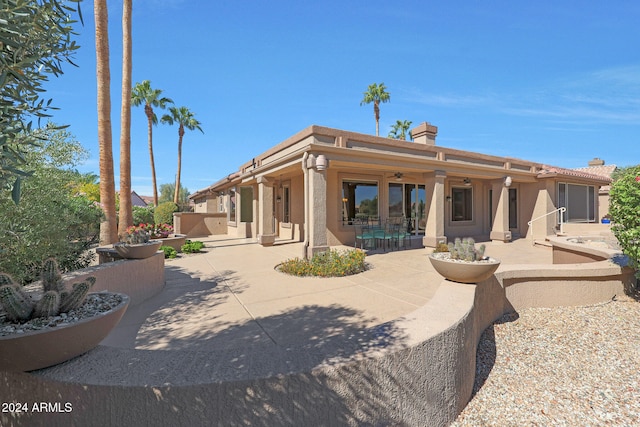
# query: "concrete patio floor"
{"points": [[227, 314]]}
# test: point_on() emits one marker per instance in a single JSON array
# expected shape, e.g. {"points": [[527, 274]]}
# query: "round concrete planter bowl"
{"points": [[39, 349], [463, 271], [138, 250]]}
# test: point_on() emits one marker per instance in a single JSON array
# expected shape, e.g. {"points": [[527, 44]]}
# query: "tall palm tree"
{"points": [[185, 119], [125, 213], [108, 227], [399, 130], [376, 93], [143, 94]]}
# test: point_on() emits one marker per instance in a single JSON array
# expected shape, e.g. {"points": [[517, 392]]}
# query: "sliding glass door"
{"points": [[409, 201]]}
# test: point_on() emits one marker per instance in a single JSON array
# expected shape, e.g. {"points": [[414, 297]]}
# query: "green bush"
{"points": [[169, 252], [142, 215], [164, 213], [190, 247], [332, 263], [624, 199]]}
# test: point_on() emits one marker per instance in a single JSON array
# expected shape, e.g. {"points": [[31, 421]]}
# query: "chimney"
{"points": [[596, 162], [425, 133]]}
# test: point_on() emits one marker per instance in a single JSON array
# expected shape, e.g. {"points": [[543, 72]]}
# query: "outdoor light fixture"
{"points": [[448, 198], [398, 176], [507, 181], [321, 162], [467, 182]]}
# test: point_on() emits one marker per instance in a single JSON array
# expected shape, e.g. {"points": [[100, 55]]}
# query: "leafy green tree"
{"points": [[376, 94], [185, 119], [35, 40], [52, 219], [143, 94], [624, 199], [142, 215], [167, 192], [164, 213], [400, 130]]}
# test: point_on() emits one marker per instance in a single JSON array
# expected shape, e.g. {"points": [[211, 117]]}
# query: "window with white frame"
{"points": [[579, 200]]}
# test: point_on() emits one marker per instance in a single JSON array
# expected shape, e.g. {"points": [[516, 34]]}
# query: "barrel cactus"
{"points": [[465, 250], [19, 306]]}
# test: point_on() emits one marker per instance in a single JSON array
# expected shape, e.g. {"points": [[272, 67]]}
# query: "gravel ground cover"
{"points": [[567, 366]]}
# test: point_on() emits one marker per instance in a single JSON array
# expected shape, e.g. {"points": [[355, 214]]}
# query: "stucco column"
{"points": [[317, 205], [434, 231], [266, 233], [500, 229]]}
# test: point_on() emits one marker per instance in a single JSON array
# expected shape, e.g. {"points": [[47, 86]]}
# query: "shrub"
{"points": [[441, 247], [624, 199], [164, 213], [192, 247], [332, 263], [142, 215], [169, 252]]}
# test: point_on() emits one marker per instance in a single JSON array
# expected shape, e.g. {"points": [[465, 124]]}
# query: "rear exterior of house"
{"points": [[315, 185]]}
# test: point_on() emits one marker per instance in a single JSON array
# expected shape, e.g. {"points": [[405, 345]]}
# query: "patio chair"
{"points": [[388, 236], [364, 235], [404, 234]]}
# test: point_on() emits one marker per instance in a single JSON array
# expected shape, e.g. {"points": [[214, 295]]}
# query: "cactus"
{"points": [[48, 305], [19, 306], [51, 277], [16, 306], [76, 297], [464, 249]]}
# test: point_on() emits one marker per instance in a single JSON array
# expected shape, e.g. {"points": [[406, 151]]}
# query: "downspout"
{"points": [[305, 171]]}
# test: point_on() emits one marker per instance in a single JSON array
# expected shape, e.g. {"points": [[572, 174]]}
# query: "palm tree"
{"points": [[143, 94], [399, 130], [376, 93], [108, 227], [185, 119], [125, 213]]}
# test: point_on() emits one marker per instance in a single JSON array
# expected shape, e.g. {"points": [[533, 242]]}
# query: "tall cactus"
{"points": [[465, 249], [19, 306]]}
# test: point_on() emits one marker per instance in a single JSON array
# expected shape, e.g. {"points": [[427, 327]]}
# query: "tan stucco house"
{"points": [[313, 185]]}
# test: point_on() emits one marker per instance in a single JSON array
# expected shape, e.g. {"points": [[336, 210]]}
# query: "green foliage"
{"points": [[192, 247], [169, 252], [465, 250], [400, 130], [332, 263], [624, 199], [35, 41], [164, 213], [52, 219], [167, 192], [20, 307], [441, 247], [142, 215]]}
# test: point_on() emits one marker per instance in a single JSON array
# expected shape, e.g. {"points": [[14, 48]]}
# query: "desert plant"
{"points": [[332, 263], [142, 215], [169, 252], [164, 213], [465, 250], [441, 247], [20, 306], [136, 235], [192, 247]]}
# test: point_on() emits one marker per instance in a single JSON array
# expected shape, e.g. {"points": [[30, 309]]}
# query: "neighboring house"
{"points": [[312, 186], [137, 200], [598, 167]]}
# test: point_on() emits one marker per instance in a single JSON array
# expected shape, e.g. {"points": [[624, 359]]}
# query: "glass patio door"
{"points": [[415, 207]]}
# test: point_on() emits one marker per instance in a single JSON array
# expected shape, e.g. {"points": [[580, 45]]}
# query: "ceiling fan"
{"points": [[398, 176]]}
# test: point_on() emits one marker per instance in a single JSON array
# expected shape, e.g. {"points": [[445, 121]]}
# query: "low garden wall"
{"points": [[424, 378], [199, 224]]}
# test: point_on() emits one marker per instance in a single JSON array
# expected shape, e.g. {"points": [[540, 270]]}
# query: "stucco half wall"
{"points": [[425, 379]]}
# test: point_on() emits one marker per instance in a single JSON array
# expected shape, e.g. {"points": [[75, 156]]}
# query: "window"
{"points": [[221, 203], [580, 201], [359, 200], [246, 204], [462, 206], [286, 206], [232, 205]]}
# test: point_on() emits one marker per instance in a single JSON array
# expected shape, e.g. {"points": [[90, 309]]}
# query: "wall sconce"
{"points": [[507, 181], [448, 198], [467, 182], [321, 162], [278, 199]]}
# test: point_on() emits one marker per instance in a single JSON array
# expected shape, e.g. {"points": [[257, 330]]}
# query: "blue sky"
{"points": [[556, 82]]}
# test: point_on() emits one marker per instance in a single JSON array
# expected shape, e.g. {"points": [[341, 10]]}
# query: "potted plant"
{"points": [[463, 262], [64, 322], [606, 219], [135, 243]]}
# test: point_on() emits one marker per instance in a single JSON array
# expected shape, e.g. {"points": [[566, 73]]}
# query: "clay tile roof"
{"points": [[546, 170]]}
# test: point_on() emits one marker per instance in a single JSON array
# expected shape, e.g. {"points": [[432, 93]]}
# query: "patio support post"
{"points": [[266, 232], [500, 230], [434, 231], [316, 198]]}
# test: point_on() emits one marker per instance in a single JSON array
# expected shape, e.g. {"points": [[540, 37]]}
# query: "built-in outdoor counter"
{"points": [[573, 250]]}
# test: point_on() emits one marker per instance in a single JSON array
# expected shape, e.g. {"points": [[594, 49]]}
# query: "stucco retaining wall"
{"points": [[199, 224], [424, 378]]}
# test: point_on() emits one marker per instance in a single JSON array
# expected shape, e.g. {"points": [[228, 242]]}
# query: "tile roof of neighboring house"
{"points": [[603, 170], [548, 170]]}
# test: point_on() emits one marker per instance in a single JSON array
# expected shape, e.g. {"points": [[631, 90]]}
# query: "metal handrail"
{"points": [[562, 209]]}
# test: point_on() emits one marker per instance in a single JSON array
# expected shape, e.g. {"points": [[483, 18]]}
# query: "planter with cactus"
{"points": [[463, 262], [135, 244], [43, 328]]}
